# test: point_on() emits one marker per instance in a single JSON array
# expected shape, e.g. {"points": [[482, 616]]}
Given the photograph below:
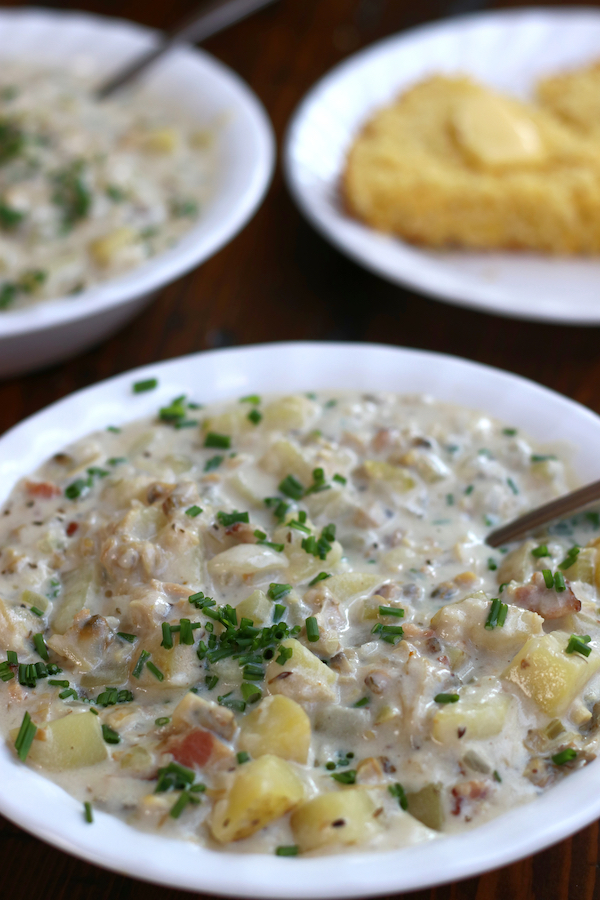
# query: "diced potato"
{"points": [[480, 713], [72, 742], [233, 422], [284, 458], [32, 598], [429, 466], [105, 249], [78, 591], [246, 559], [395, 477], [287, 413], [162, 140], [194, 711], [465, 621], [302, 677], [304, 566], [138, 759], [585, 566], [338, 818], [279, 726], [263, 790], [519, 564], [399, 559], [551, 677], [257, 607], [252, 484], [426, 805], [6, 627], [113, 673], [352, 584], [179, 667]]}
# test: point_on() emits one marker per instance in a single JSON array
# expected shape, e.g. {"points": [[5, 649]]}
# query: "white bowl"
{"points": [[507, 50], [195, 81], [46, 810]]}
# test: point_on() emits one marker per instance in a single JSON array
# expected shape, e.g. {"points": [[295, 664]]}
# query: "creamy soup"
{"points": [[88, 189], [274, 625]]}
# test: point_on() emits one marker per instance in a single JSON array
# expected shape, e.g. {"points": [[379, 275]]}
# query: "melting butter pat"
{"points": [[494, 132]]}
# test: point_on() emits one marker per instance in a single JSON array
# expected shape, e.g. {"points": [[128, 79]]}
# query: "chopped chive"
{"points": [[130, 638], [469, 489], [137, 671], [340, 479], [254, 416], [548, 578], [87, 812], [577, 644], [362, 702], [512, 486], [320, 577], [291, 487], [492, 564], [186, 635], [232, 518], [250, 692], [299, 526], [250, 398], [26, 734], [565, 756], [509, 432], [395, 611], [278, 591], [570, 559], [211, 681], [163, 720], [68, 694], [541, 550], [287, 850], [213, 463], [446, 698], [167, 641], [218, 441], [279, 612], [193, 511], [285, 653], [503, 585], [40, 646], [56, 682], [559, 582], [37, 612], [497, 614], [348, 777], [114, 429], [155, 671], [497, 776], [242, 757], [148, 385], [312, 629], [542, 457], [180, 804], [397, 791], [110, 735], [231, 703]]}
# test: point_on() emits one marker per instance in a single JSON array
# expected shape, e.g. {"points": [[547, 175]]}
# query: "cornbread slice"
{"points": [[452, 163], [574, 97]]}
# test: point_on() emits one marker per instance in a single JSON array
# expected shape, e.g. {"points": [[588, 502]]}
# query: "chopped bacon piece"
{"points": [[72, 528], [198, 748], [468, 790], [547, 602], [45, 490]]}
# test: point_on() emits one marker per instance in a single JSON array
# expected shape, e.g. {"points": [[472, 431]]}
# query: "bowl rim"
{"points": [[172, 263], [368, 247], [36, 804]]}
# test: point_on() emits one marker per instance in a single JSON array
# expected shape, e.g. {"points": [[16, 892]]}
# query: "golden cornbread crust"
{"points": [[407, 174], [574, 97]]}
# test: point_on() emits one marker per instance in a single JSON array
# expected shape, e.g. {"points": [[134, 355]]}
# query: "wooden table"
{"points": [[278, 280]]}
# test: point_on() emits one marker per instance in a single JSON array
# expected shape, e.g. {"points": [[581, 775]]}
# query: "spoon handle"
{"points": [[556, 509], [214, 16]]}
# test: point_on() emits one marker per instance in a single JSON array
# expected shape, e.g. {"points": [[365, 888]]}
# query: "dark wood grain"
{"points": [[278, 281]]}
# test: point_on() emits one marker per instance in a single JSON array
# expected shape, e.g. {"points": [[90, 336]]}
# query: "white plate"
{"points": [[507, 50], [43, 808], [192, 80]]}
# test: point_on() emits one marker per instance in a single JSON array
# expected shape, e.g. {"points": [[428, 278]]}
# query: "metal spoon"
{"points": [[556, 509], [212, 18]]}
